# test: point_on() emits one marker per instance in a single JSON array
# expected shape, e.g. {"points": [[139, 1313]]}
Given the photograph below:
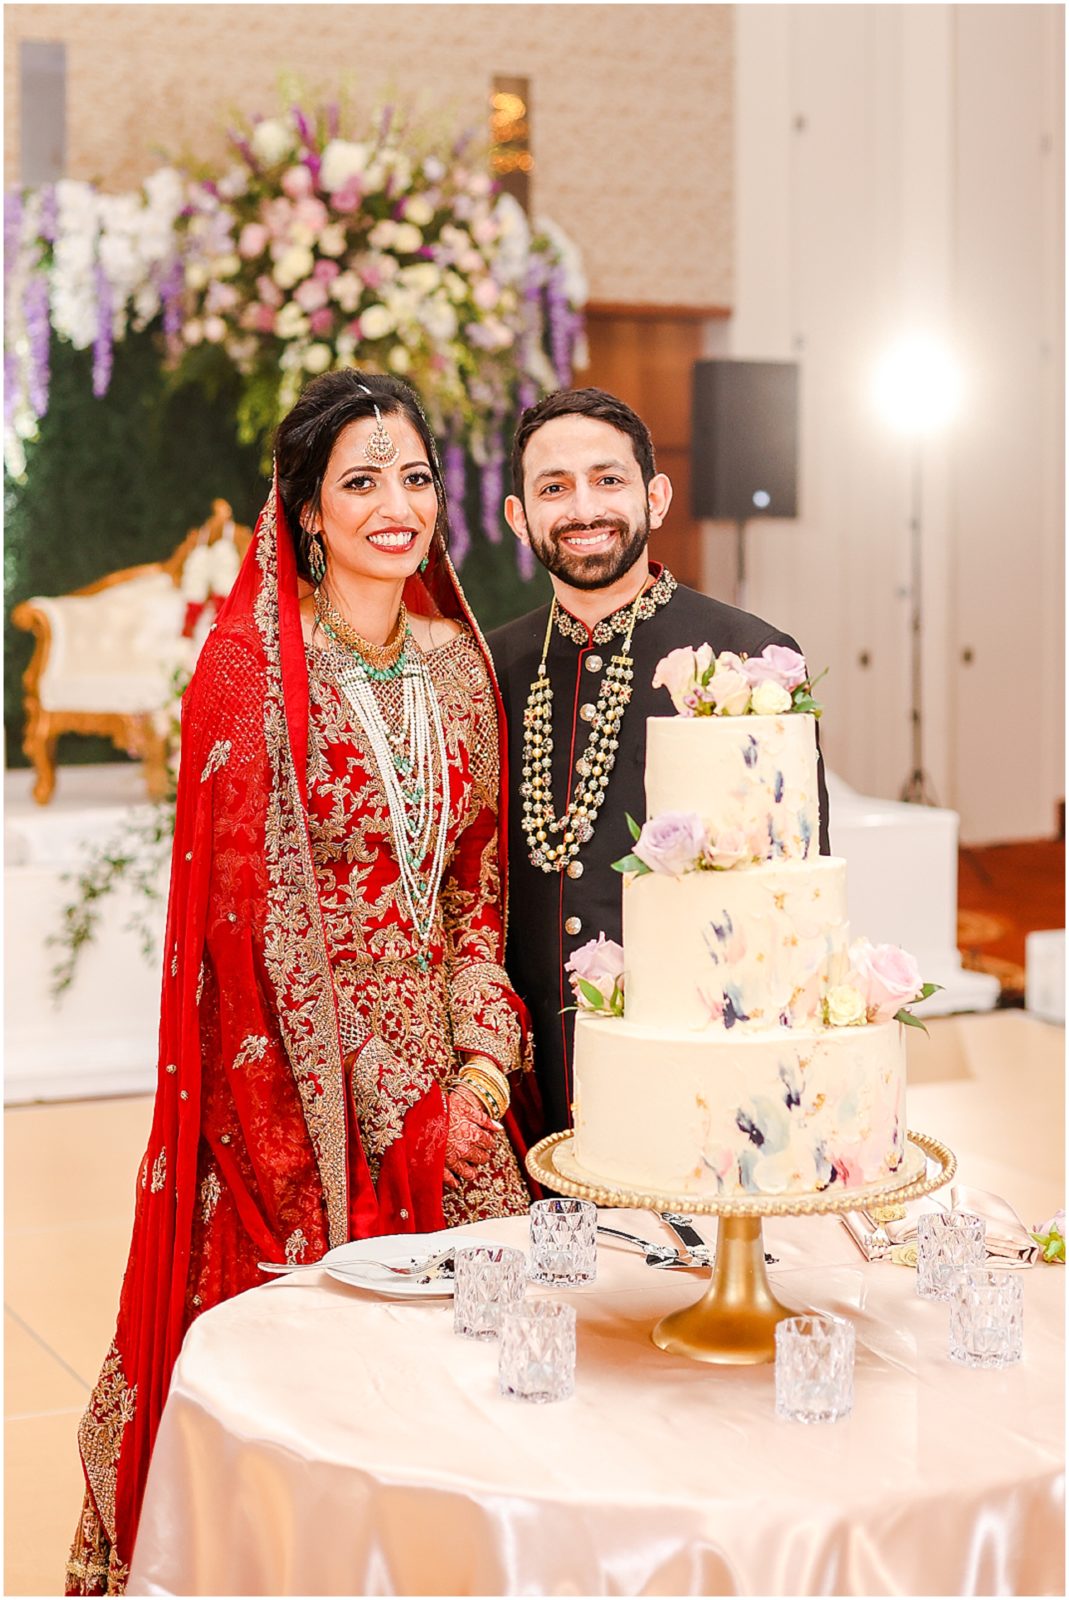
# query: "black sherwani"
{"points": [[552, 913]]}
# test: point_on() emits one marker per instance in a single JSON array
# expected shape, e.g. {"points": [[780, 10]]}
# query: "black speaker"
{"points": [[744, 449]]}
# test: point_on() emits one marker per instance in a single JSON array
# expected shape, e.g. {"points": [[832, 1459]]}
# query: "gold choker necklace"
{"points": [[380, 657]]}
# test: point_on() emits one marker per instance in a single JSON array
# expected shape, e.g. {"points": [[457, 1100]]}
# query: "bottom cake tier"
{"points": [[791, 1111]]}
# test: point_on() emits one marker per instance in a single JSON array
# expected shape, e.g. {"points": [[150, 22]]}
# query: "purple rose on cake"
{"points": [[672, 842], [600, 964], [776, 664]]}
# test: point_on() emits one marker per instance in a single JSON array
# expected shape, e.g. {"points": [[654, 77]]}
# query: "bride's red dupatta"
{"points": [[250, 1154]]}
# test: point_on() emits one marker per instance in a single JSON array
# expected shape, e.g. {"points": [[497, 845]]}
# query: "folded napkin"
{"points": [[883, 1232]]}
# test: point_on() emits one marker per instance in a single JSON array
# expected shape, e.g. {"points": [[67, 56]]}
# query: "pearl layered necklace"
{"points": [[407, 757], [541, 825]]}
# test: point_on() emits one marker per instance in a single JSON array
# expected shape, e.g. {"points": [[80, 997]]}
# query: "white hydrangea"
{"points": [[272, 140], [342, 159], [575, 283]]}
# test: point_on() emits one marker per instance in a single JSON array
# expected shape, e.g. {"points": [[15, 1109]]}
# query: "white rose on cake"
{"points": [[844, 1007], [770, 699]]}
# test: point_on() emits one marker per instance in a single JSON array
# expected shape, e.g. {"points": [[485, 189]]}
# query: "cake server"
{"points": [[688, 1236]]}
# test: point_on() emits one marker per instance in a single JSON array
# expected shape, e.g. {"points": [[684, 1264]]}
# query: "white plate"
{"points": [[354, 1263]]}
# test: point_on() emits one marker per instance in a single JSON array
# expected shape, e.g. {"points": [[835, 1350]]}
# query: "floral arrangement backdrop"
{"points": [[173, 326]]}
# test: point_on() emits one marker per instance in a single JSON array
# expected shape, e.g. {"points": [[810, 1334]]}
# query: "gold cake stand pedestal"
{"points": [[734, 1322]]}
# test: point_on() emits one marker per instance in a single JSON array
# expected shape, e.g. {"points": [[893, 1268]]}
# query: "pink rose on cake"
{"points": [[727, 849], [672, 842], [681, 672], [596, 974], [729, 687], [776, 664], [886, 976]]}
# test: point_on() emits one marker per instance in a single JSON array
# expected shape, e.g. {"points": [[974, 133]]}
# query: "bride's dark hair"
{"points": [[307, 434]]}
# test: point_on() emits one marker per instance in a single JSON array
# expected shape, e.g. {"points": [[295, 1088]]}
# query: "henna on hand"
{"points": [[469, 1141]]}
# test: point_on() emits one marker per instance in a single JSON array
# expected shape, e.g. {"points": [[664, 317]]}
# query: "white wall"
{"points": [[900, 167]]}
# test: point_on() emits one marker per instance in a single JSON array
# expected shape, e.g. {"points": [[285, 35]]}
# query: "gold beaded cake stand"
{"points": [[734, 1322]]}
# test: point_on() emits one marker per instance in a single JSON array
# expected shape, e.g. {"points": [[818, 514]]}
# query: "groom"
{"points": [[586, 494]]}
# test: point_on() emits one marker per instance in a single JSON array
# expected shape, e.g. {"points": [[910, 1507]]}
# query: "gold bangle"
{"points": [[492, 1073], [484, 1091]]}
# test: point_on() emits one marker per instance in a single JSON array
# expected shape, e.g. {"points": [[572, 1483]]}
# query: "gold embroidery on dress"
{"points": [[111, 1407], [159, 1173], [218, 756], [385, 1087], [295, 951], [483, 1019], [253, 1048], [200, 983], [296, 1245], [210, 1190]]}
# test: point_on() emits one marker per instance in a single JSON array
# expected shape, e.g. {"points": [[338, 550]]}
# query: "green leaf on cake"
{"points": [[593, 996], [630, 864], [910, 1020], [927, 989], [633, 826]]}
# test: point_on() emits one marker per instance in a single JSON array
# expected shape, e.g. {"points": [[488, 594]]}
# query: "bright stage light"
{"points": [[917, 386]]}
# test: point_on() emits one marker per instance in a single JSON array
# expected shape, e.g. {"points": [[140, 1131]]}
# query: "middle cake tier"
{"points": [[749, 949]]}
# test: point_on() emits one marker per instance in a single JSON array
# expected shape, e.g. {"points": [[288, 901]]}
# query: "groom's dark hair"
{"points": [[582, 403]]}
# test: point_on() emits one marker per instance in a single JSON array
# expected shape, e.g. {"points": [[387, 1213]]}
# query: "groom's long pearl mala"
{"points": [[576, 827], [405, 756]]}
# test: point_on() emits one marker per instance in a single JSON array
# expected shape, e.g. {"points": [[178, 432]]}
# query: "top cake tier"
{"points": [[754, 775]]}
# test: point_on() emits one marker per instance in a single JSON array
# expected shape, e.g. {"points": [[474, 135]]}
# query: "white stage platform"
{"points": [[100, 1038]]}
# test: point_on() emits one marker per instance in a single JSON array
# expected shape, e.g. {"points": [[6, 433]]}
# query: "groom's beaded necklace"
{"points": [[553, 841]]}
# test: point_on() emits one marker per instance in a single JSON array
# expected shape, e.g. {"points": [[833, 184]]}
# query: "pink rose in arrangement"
{"points": [[729, 686], [727, 849], [297, 182], [600, 963], [321, 321], [672, 842], [252, 240], [311, 294], [311, 213], [887, 977], [264, 318], [325, 271], [269, 291], [777, 663]]}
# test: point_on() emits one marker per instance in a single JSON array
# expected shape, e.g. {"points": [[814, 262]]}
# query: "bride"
{"points": [[337, 1031]]}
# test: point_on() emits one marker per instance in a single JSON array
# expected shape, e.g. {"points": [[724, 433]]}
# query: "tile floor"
{"points": [[69, 1183]]}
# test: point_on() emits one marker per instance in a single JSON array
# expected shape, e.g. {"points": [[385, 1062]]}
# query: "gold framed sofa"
{"points": [[100, 662]]}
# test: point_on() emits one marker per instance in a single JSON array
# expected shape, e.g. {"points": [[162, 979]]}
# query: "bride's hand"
{"points": [[469, 1141]]}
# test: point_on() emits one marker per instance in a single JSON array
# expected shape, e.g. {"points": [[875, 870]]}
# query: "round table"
{"points": [[319, 1439]]}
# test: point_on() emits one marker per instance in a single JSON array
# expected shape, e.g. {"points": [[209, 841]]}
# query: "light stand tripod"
{"points": [[918, 786]]}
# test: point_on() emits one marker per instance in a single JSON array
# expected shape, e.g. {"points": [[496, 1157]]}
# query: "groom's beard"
{"points": [[603, 567]]}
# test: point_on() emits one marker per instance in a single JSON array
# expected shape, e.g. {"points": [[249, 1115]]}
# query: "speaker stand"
{"points": [[740, 564]]}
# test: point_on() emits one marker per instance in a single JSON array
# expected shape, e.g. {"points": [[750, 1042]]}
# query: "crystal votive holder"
{"points": [[536, 1357], [488, 1279], [987, 1318], [564, 1242], [814, 1369], [946, 1242]]}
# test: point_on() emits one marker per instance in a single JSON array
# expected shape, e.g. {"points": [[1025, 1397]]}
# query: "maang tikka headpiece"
{"points": [[380, 450]]}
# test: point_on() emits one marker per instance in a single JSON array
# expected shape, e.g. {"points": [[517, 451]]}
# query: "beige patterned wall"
{"points": [[632, 106]]}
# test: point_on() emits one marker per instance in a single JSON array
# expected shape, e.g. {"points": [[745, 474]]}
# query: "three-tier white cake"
{"points": [[724, 1075]]}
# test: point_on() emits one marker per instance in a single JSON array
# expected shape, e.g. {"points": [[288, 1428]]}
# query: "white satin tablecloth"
{"points": [[321, 1440]]}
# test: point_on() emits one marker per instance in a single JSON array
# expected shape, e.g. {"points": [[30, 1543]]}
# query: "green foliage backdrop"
{"points": [[121, 480]]}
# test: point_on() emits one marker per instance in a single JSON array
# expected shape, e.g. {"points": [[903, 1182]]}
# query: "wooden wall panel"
{"points": [[645, 355]]}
